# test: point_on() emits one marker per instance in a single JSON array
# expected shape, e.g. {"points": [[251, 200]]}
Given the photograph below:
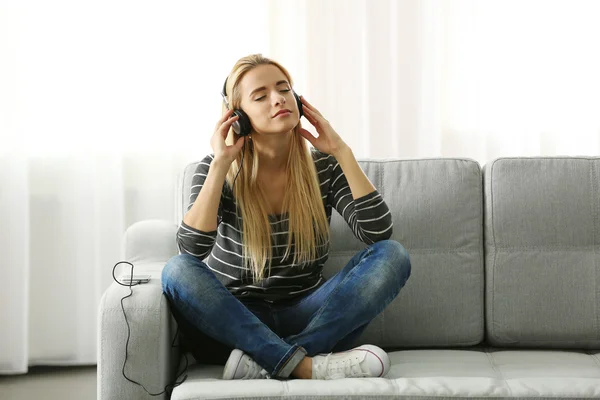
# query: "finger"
{"points": [[226, 115], [223, 118], [229, 122], [311, 117], [224, 128], [308, 105], [307, 135], [240, 142], [314, 114]]}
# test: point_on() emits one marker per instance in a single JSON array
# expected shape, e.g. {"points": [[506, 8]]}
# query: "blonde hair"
{"points": [[308, 227]]}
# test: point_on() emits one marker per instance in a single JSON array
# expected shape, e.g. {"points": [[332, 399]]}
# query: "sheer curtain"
{"points": [[451, 78], [102, 105]]}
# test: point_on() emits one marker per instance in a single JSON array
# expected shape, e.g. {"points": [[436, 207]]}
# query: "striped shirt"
{"points": [[368, 217]]}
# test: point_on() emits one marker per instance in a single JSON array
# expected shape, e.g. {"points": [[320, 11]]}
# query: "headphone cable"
{"points": [[173, 385], [170, 386], [241, 163]]}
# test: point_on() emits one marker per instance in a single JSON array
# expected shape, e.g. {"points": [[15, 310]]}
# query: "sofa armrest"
{"points": [[151, 240], [151, 359]]}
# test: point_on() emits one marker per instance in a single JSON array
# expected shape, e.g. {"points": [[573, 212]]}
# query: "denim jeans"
{"points": [[279, 336]]}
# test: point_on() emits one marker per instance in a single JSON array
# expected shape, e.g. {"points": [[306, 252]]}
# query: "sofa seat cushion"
{"points": [[427, 374]]}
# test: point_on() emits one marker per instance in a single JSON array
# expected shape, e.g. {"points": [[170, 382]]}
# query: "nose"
{"points": [[279, 99]]}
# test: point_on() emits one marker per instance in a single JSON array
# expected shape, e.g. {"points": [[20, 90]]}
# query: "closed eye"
{"points": [[263, 97]]}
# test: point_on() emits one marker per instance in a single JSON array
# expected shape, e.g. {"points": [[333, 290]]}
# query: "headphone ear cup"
{"points": [[299, 103], [242, 126]]}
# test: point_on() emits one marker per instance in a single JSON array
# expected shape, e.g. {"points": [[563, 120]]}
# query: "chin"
{"points": [[277, 127], [291, 124], [283, 128]]}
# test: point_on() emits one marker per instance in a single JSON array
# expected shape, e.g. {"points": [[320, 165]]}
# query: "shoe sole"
{"points": [[232, 365]]}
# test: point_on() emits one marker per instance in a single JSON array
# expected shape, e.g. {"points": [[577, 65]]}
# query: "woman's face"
{"points": [[265, 93]]}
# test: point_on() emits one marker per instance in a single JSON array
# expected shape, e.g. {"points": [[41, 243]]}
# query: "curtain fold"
{"points": [[14, 264], [102, 106]]}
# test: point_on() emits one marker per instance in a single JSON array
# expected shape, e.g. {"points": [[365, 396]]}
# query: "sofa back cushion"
{"points": [[542, 230], [437, 210]]}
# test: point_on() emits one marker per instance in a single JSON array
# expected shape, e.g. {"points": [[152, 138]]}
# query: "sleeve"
{"points": [[190, 240], [368, 216]]}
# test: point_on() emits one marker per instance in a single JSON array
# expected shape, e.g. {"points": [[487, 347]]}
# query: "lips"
{"points": [[283, 111]]}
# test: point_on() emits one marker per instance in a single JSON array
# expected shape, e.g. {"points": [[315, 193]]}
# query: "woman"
{"points": [[260, 302]]}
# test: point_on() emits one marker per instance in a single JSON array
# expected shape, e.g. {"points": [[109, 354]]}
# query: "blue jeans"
{"points": [[279, 336]]}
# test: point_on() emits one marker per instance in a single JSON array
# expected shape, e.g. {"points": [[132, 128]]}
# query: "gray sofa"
{"points": [[503, 300]]}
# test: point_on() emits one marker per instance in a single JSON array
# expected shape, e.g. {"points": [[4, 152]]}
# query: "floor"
{"points": [[50, 383]]}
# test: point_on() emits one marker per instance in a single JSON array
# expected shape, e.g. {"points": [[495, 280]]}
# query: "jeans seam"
{"points": [[279, 367]]}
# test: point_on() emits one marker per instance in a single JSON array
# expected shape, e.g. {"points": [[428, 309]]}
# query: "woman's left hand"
{"points": [[328, 141]]}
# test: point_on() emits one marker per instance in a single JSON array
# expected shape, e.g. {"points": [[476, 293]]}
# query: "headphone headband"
{"points": [[224, 93]]}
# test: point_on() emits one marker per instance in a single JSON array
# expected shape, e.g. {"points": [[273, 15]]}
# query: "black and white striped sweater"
{"points": [[368, 217]]}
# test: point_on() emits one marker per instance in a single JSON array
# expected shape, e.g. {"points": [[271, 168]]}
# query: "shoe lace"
{"points": [[265, 374], [344, 368], [254, 370]]}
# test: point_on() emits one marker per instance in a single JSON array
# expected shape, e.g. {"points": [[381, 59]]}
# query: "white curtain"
{"points": [[454, 78], [103, 104]]}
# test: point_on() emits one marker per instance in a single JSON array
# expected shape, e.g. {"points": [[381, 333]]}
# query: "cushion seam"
{"points": [[493, 266], [595, 219], [557, 248], [490, 357], [595, 358]]}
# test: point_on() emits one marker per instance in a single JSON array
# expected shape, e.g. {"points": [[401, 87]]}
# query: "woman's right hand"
{"points": [[221, 150]]}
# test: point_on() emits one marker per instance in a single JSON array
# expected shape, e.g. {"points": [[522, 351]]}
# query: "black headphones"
{"points": [[242, 126]]}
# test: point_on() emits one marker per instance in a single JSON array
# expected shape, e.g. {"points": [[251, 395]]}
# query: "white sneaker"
{"points": [[362, 361], [241, 366]]}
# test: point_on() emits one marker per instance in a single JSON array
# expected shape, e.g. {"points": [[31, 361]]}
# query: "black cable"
{"points": [[173, 385], [241, 163], [170, 386]]}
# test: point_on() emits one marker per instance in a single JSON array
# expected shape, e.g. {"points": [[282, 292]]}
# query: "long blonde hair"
{"points": [[308, 226]]}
